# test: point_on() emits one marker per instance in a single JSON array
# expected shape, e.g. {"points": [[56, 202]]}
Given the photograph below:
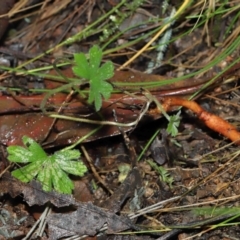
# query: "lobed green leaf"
{"points": [[82, 67], [74, 167], [28, 172], [95, 58], [36, 150], [66, 155], [96, 75], [45, 178], [61, 181], [106, 71], [19, 154], [51, 171]]}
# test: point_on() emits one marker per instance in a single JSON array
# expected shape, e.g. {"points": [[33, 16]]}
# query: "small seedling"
{"points": [[173, 121], [163, 173], [173, 124], [96, 74], [51, 171]]}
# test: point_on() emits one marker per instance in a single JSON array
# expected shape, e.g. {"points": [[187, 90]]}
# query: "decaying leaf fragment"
{"points": [[86, 220], [33, 193]]}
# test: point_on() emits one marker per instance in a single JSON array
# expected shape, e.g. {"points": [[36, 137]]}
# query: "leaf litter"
{"points": [[219, 171], [78, 221]]}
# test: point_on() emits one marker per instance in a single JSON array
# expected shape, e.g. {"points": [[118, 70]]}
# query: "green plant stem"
{"points": [[82, 139]]}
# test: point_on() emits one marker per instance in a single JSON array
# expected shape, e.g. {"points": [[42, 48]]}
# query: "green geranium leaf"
{"points": [[82, 68], [51, 171], [106, 71], [95, 57], [95, 74]]}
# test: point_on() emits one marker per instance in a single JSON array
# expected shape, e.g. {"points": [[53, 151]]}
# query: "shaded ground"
{"points": [[193, 177]]}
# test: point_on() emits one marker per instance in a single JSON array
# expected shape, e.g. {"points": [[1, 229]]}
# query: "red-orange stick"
{"points": [[212, 121]]}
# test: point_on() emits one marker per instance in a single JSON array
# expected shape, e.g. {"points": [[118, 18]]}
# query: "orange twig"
{"points": [[212, 121]]}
